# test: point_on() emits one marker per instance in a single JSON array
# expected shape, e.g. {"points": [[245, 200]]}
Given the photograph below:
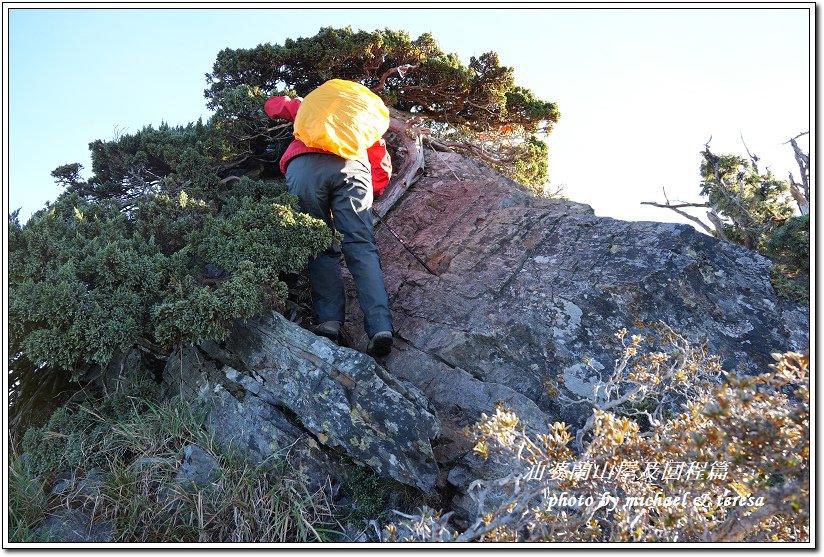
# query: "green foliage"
{"points": [[790, 288], [752, 204], [27, 500], [80, 282], [368, 491], [247, 230], [755, 210], [196, 313], [67, 174], [476, 104], [530, 162], [156, 161], [243, 128], [789, 249], [86, 436], [789, 244], [373, 498], [306, 63], [120, 259]]}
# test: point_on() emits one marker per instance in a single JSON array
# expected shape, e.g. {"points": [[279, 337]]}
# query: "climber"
{"points": [[340, 192]]}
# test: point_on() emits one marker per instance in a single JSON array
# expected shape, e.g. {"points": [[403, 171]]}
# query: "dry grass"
{"points": [[139, 495]]}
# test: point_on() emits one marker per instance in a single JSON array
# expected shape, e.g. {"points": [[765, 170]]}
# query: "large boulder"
{"points": [[519, 290]]}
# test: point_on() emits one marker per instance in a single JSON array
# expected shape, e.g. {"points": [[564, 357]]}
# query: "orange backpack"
{"points": [[342, 117]]}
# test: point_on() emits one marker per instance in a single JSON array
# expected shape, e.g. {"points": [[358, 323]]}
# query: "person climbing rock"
{"points": [[339, 190]]}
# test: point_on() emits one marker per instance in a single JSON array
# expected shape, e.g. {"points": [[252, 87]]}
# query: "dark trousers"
{"points": [[339, 192]]}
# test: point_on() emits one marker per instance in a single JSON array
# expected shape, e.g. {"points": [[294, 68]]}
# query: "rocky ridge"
{"points": [[519, 290]]}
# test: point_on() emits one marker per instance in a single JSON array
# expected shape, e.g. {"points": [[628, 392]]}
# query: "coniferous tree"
{"points": [[476, 109], [755, 209], [181, 229]]}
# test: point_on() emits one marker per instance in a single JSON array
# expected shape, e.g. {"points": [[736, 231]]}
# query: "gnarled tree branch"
{"points": [[410, 133], [401, 70]]}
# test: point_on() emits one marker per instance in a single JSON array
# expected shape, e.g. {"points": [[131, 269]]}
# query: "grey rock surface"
{"points": [[74, 526], [88, 485], [198, 467], [526, 288], [241, 421], [277, 388], [341, 396]]}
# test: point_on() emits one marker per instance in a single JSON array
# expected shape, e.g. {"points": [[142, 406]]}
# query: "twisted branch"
{"points": [[401, 70], [410, 135]]}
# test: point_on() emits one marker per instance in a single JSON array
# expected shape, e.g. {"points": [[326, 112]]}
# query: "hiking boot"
{"points": [[328, 329], [380, 344]]}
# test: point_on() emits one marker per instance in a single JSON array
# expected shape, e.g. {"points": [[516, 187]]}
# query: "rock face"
{"points": [[275, 387], [524, 289]]}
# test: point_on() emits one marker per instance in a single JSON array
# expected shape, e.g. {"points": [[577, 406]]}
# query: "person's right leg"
{"points": [[351, 204]]}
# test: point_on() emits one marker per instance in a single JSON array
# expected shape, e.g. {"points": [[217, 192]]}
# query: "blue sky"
{"points": [[640, 90]]}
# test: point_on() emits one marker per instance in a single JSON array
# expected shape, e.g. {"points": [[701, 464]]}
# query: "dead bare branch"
{"points": [[267, 133], [753, 158], [677, 208], [801, 192], [446, 146], [716, 222]]}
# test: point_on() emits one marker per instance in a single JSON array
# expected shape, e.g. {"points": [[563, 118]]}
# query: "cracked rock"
{"points": [[534, 286]]}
